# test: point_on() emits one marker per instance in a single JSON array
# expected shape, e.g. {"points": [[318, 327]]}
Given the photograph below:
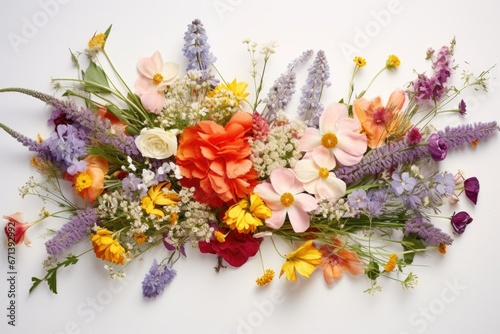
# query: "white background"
{"points": [[457, 293]]}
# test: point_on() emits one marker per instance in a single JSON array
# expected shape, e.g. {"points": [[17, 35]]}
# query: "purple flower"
{"points": [[357, 199], [426, 231], [437, 147], [196, 48], [471, 187], [157, 279], [414, 136], [462, 107], [402, 183], [459, 221], [445, 183]]}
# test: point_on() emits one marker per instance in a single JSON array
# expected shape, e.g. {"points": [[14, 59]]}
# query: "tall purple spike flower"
{"points": [[283, 88], [31, 144], [317, 79], [429, 233], [398, 153], [72, 232], [155, 281], [196, 48]]}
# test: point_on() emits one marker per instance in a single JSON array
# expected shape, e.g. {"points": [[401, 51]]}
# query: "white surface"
{"points": [[457, 293]]}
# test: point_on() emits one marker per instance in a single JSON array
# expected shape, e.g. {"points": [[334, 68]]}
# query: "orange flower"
{"points": [[336, 259], [216, 160], [90, 183], [378, 121], [116, 123]]}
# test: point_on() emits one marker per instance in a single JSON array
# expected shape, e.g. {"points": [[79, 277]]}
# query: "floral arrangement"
{"points": [[185, 159]]}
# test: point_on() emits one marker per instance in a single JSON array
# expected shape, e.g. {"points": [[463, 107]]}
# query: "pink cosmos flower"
{"points": [[284, 195], [314, 170], [338, 133], [154, 78]]}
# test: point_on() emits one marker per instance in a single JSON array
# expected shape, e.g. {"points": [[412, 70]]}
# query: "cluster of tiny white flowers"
{"points": [[120, 274], [279, 149], [220, 107], [333, 211]]}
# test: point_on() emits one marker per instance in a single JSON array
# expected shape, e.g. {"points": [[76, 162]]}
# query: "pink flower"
{"points": [[314, 170], [338, 133], [15, 229], [154, 79], [284, 195]]}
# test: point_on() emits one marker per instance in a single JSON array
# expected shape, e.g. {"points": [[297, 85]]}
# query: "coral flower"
{"points": [[284, 196], [215, 160], [303, 260], [337, 132], [90, 183], [15, 229], [317, 177], [379, 121], [157, 196], [335, 259], [153, 81], [246, 215], [106, 247]]}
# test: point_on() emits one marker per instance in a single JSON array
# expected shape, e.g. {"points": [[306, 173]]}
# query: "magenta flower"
{"points": [[284, 195], [462, 107], [437, 147], [154, 79], [338, 133], [471, 187], [459, 221]]}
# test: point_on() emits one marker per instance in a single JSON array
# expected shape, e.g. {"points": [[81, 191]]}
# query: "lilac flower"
{"points": [[73, 231], [31, 144], [462, 107], [133, 186], [377, 199], [459, 221], [317, 78], [157, 279], [426, 231], [445, 183], [437, 147], [196, 48], [471, 187], [402, 183], [358, 199]]}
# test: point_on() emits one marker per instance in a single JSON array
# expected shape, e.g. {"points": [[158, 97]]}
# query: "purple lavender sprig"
{"points": [[430, 234], [155, 281], [72, 232], [196, 48], [398, 153], [310, 106]]}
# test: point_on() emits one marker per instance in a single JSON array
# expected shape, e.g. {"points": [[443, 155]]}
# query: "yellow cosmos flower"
{"points": [[246, 215], [157, 196], [106, 247], [266, 278], [303, 260], [392, 61], [359, 61], [237, 88]]}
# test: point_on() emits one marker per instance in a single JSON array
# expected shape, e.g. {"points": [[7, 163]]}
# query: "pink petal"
{"points": [[269, 195], [149, 66], [144, 85], [350, 148], [328, 121], [331, 188], [277, 219], [310, 140], [153, 102], [284, 180], [298, 218], [305, 202], [170, 71], [306, 170], [323, 158]]}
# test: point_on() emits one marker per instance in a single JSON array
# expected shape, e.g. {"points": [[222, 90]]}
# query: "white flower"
{"points": [[157, 143]]}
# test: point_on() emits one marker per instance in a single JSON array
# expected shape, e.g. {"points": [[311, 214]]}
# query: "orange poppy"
{"points": [[335, 259], [379, 121], [90, 183]]}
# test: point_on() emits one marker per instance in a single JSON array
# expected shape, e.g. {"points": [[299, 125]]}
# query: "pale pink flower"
{"points": [[338, 133], [154, 78], [284, 194], [314, 170]]}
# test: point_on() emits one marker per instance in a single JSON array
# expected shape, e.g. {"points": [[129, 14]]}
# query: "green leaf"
{"points": [[412, 244], [96, 80], [372, 271], [108, 31], [36, 281], [51, 276]]}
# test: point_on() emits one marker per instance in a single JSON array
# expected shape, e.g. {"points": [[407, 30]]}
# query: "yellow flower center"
{"points": [[287, 199], [83, 181], [329, 140], [323, 172], [157, 78]]}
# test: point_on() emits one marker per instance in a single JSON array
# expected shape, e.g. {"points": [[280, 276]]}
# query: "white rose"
{"points": [[157, 143]]}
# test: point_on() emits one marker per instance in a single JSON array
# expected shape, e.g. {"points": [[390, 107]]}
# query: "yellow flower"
{"points": [[219, 236], [303, 260], [97, 42], [359, 61], [237, 88], [442, 248], [391, 263], [106, 247], [158, 197], [139, 237], [392, 61], [266, 278], [246, 215]]}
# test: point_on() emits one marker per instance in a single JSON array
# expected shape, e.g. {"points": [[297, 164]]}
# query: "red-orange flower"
{"points": [[216, 161], [336, 259], [379, 121], [15, 229], [90, 183]]}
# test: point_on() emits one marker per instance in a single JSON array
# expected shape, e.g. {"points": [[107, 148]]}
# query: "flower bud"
{"points": [[437, 147], [460, 220]]}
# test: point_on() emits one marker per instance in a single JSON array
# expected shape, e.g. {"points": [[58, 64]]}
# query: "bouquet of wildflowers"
{"points": [[189, 158]]}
